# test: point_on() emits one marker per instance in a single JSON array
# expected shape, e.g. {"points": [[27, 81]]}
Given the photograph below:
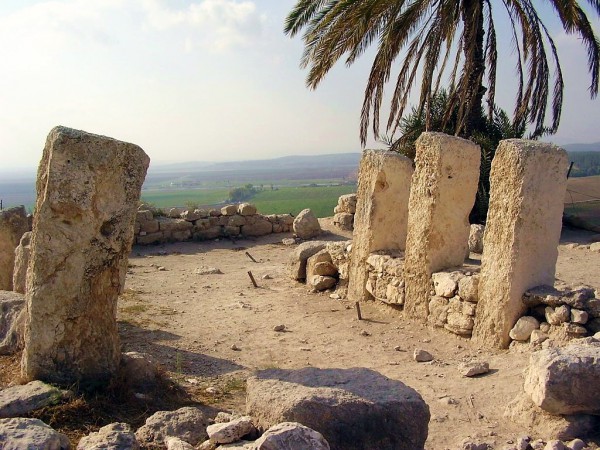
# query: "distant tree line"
{"points": [[585, 164], [243, 193]]}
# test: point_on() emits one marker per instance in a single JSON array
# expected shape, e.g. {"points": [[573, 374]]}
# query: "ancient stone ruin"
{"points": [[88, 189], [412, 251], [13, 224], [231, 221]]}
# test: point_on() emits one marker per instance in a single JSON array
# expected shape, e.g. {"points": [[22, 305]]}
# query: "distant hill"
{"points": [[285, 162], [594, 147]]}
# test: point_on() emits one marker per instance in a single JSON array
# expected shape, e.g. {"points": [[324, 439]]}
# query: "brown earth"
{"points": [[214, 330]]}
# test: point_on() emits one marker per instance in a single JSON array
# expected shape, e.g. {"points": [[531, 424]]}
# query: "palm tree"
{"points": [[439, 38]]}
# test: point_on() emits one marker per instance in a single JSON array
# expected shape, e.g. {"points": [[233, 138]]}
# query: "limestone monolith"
{"points": [[442, 195], [13, 224], [88, 189], [381, 215], [528, 182]]}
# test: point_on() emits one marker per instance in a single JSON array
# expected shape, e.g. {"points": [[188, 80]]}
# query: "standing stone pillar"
{"points": [[443, 193], [381, 214], [22, 253], [528, 183], [88, 189], [13, 224]]}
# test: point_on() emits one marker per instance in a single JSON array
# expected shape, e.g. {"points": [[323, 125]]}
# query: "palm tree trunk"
{"points": [[472, 16]]}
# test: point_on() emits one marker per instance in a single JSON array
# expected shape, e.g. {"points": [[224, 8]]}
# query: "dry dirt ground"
{"points": [[213, 330]]}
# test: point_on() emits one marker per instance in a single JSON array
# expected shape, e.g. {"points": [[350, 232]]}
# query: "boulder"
{"points": [[19, 400], [300, 257], [12, 322], [174, 443], [187, 423], [321, 283], [558, 315], [476, 238], [246, 209], [88, 189], [140, 370], [260, 226], [322, 256], [446, 283], [344, 221], [291, 436], [468, 288], [352, 408], [459, 323], [526, 414], [225, 433], [523, 328], [347, 203], [306, 225], [229, 210], [21, 262], [115, 436], [564, 380], [20, 433], [13, 224]]}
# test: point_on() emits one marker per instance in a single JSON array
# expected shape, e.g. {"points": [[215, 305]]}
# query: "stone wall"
{"points": [[231, 221], [343, 213], [431, 275]]}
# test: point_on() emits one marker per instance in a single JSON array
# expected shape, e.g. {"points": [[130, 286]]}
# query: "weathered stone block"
{"points": [[564, 380], [344, 220], [322, 256], [381, 217], [13, 224], [260, 226], [229, 210], [299, 258], [12, 322], [246, 209], [306, 225], [352, 408], [528, 183], [22, 253], [442, 195], [87, 190]]}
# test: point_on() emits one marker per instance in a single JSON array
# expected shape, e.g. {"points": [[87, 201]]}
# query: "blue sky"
{"points": [[198, 80]]}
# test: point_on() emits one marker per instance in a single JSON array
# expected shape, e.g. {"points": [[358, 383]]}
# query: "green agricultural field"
{"points": [[320, 199], [184, 197]]}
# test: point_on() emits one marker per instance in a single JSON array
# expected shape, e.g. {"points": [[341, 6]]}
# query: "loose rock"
{"points": [[421, 355], [291, 436], [188, 424], [116, 436], [31, 434], [473, 368], [224, 433]]}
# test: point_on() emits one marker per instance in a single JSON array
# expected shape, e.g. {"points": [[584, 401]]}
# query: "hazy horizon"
{"points": [[205, 80]]}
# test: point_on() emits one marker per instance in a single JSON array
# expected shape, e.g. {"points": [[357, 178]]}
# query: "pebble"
{"points": [[421, 355], [267, 277], [235, 348], [162, 269], [211, 390], [365, 333], [279, 328]]}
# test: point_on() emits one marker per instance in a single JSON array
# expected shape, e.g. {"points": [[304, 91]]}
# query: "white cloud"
{"points": [[210, 24]]}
